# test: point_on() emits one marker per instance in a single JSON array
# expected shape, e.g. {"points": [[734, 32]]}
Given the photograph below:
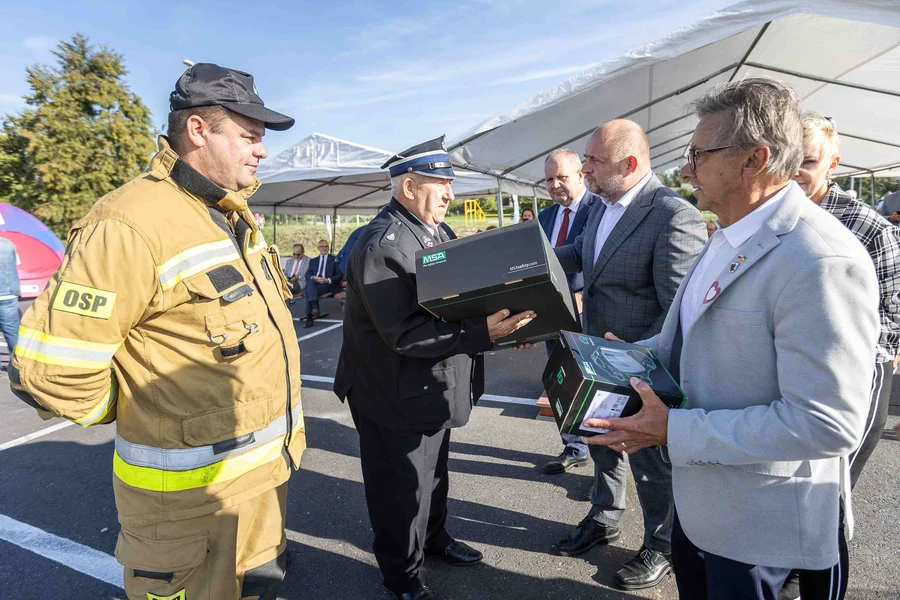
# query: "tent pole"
{"points": [[275, 225], [334, 230], [534, 201], [873, 189], [499, 204]]}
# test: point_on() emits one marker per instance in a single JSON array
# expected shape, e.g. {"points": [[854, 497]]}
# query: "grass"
{"points": [[309, 233]]}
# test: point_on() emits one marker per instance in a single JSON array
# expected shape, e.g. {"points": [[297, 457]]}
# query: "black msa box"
{"points": [[588, 378], [512, 267]]}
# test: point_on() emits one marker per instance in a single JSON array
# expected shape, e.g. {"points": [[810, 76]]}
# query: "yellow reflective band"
{"points": [[176, 596], [194, 260], [158, 480], [261, 245], [298, 425], [100, 411], [65, 352], [84, 300]]}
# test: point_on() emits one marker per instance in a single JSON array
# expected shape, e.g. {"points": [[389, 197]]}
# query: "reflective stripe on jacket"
{"points": [[168, 316]]}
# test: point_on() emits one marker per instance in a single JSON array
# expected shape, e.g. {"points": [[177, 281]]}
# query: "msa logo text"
{"points": [[432, 259], [84, 300]]}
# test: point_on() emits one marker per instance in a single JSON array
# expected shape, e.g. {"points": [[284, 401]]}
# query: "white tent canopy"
{"points": [[841, 56], [329, 176]]}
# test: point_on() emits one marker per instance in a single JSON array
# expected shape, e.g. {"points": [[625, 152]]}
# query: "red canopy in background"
{"points": [[39, 250]]}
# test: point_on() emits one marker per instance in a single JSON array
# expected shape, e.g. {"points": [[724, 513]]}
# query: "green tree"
{"points": [[82, 134]]}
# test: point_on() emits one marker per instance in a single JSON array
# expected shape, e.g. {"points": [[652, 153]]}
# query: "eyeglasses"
{"points": [[691, 155], [298, 254]]}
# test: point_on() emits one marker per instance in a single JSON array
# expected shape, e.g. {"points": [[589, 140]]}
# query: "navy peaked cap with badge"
{"points": [[206, 84], [428, 158]]}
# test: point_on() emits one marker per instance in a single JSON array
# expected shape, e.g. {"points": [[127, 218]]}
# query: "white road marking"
{"points": [[35, 435], [83, 559], [326, 330], [321, 320], [508, 399], [317, 378]]}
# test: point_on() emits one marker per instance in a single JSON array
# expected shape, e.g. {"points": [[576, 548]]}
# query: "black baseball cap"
{"points": [[206, 84]]}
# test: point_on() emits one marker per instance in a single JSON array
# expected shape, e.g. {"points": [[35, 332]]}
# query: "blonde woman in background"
{"points": [[821, 156]]}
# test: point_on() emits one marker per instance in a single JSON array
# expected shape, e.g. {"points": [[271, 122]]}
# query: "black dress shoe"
{"points": [[585, 536], [565, 461], [646, 569], [308, 322], [456, 553], [422, 593], [314, 309]]}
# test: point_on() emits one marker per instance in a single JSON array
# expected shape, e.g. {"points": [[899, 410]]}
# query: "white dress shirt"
{"points": [[430, 229], [560, 215], [614, 212], [296, 267], [703, 286]]}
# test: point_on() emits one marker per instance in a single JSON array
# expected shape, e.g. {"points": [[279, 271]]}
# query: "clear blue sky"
{"points": [[382, 74]]}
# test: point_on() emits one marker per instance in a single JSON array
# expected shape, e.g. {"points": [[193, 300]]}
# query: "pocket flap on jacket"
{"points": [[215, 283], [137, 552], [419, 383], [213, 427], [791, 468]]}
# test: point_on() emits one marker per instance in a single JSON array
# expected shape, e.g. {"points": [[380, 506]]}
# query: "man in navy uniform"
{"points": [[322, 277], [408, 376], [562, 223]]}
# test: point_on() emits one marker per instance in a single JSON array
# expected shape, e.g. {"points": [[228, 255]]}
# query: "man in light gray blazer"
{"points": [[638, 243], [771, 335], [295, 269]]}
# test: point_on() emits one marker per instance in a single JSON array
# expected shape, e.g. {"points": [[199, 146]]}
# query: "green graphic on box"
{"points": [[433, 259]]}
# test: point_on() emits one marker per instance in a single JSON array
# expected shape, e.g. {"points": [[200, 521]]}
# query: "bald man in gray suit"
{"points": [[639, 242]]}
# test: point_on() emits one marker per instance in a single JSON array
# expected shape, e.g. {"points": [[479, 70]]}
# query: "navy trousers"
{"points": [[701, 575], [314, 290]]}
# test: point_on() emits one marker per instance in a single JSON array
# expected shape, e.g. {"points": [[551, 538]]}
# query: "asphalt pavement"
{"points": [[58, 522]]}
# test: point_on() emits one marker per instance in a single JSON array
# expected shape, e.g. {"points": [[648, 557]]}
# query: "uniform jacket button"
{"points": [[425, 388]]}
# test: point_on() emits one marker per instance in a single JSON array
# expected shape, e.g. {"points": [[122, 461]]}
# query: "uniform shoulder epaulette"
{"points": [[391, 233]]}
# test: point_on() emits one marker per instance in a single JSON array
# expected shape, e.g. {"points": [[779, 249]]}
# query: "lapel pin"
{"points": [[734, 266], [713, 291]]}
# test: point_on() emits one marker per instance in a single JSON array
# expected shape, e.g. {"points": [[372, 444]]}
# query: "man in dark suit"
{"points": [[322, 277], [562, 223], [638, 244], [408, 376]]}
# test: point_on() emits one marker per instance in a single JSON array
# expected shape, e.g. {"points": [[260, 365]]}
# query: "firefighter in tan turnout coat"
{"points": [[168, 317]]}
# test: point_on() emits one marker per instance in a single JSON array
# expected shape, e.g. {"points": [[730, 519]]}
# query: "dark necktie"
{"points": [[563, 230]]}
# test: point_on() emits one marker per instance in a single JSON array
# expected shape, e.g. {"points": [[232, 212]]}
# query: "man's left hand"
{"points": [[649, 427]]}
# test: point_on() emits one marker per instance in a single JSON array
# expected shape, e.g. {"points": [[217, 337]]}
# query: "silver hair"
{"points": [[564, 153], [397, 182], [761, 112]]}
